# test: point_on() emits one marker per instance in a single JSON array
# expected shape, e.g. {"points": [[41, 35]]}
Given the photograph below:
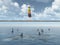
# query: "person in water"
{"points": [[49, 29], [21, 35], [12, 31], [38, 32], [42, 30]]}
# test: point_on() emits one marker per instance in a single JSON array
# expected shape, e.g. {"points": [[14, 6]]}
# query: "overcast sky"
{"points": [[41, 9]]}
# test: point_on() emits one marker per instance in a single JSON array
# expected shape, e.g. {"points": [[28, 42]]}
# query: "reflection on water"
{"points": [[49, 36]]}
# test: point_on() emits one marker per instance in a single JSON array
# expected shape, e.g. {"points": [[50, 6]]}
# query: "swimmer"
{"points": [[49, 29], [42, 30], [12, 31], [21, 35], [39, 33]]}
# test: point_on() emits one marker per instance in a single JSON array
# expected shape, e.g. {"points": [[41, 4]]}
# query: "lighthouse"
{"points": [[29, 11]]}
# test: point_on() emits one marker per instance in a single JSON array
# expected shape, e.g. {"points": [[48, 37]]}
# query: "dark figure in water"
{"points": [[39, 33], [12, 31], [42, 30], [21, 35], [49, 29]]}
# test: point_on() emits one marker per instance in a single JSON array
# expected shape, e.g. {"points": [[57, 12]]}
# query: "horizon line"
{"points": [[29, 20]]}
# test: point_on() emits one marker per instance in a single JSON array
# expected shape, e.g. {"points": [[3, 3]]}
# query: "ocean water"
{"points": [[30, 36]]}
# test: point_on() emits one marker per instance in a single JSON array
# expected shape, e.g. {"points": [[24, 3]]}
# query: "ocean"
{"points": [[49, 36]]}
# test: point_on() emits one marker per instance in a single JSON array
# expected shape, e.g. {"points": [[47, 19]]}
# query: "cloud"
{"points": [[53, 11], [3, 9], [12, 10], [15, 4], [50, 13], [9, 9], [44, 1], [24, 8]]}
